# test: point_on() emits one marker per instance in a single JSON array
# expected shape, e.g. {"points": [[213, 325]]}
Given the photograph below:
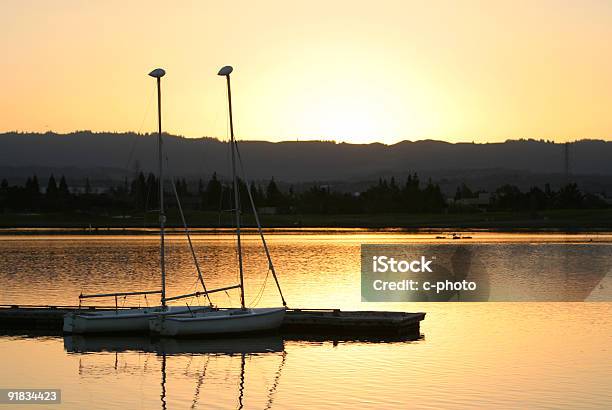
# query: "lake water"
{"points": [[507, 355]]}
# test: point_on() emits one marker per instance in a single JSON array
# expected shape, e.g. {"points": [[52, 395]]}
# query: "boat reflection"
{"points": [[171, 346], [192, 348]]}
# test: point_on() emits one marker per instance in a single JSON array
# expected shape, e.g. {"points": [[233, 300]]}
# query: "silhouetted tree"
{"points": [[31, 185], [464, 191], [570, 197], [63, 187], [385, 196], [51, 192], [214, 191], [412, 198], [200, 187], [274, 196], [510, 197], [138, 191], [433, 200]]}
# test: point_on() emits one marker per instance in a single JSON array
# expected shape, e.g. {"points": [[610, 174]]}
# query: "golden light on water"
{"points": [[491, 355], [352, 71]]}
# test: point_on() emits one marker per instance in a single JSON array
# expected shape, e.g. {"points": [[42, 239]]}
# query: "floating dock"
{"points": [[356, 323], [298, 323]]}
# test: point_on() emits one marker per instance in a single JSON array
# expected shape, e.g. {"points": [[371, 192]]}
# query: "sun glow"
{"points": [[361, 120], [348, 71]]}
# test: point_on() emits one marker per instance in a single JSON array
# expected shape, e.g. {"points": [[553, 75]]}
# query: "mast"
{"points": [[158, 74], [225, 71]]}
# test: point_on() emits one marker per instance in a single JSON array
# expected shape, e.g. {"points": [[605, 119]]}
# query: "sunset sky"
{"points": [[355, 71]]}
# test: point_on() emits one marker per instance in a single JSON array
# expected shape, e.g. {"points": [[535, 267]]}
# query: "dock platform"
{"points": [[298, 323]]}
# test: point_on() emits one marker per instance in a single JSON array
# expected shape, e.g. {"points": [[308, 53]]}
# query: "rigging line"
{"points": [[260, 294], [215, 122], [228, 161], [263, 286], [147, 187], [256, 299], [144, 117], [193, 254], [259, 229], [220, 211], [236, 260], [146, 204], [228, 297], [231, 192], [194, 285]]}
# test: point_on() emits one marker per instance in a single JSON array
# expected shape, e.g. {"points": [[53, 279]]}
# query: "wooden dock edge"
{"points": [[298, 323]]}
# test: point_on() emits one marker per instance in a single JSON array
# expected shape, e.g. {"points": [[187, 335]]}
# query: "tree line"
{"points": [[385, 196], [511, 198]]}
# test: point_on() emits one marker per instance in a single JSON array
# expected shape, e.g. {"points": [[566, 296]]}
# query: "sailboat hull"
{"points": [[218, 322], [119, 321]]}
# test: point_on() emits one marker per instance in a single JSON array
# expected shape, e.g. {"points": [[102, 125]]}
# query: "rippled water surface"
{"points": [[509, 355]]}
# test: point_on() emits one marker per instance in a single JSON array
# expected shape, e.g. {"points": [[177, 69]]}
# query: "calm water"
{"points": [[509, 355]]}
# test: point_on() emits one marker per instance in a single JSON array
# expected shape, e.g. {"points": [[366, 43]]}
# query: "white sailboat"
{"points": [[135, 320], [226, 321], [218, 322]]}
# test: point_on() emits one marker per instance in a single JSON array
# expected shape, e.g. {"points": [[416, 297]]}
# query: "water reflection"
{"points": [[171, 346], [483, 355], [163, 383], [316, 271], [262, 357], [199, 383], [165, 349]]}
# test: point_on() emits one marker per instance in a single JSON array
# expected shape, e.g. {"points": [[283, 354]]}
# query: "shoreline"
{"points": [[448, 231], [559, 221]]}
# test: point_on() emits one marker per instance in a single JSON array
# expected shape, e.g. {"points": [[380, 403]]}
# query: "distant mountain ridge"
{"points": [[123, 153]]}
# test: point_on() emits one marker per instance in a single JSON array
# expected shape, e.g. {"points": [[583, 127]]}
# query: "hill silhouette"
{"points": [[114, 155]]}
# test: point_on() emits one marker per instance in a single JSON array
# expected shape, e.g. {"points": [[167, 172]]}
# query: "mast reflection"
{"points": [[167, 348]]}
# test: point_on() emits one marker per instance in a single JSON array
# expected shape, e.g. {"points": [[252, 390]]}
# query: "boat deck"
{"points": [[298, 323]]}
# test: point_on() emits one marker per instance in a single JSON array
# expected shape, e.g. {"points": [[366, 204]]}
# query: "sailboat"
{"points": [[134, 320], [232, 320]]}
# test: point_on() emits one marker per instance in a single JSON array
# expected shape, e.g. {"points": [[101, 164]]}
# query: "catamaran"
{"points": [[232, 320], [137, 320]]}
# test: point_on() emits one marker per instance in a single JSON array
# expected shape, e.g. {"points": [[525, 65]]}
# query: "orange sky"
{"points": [[347, 70]]}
